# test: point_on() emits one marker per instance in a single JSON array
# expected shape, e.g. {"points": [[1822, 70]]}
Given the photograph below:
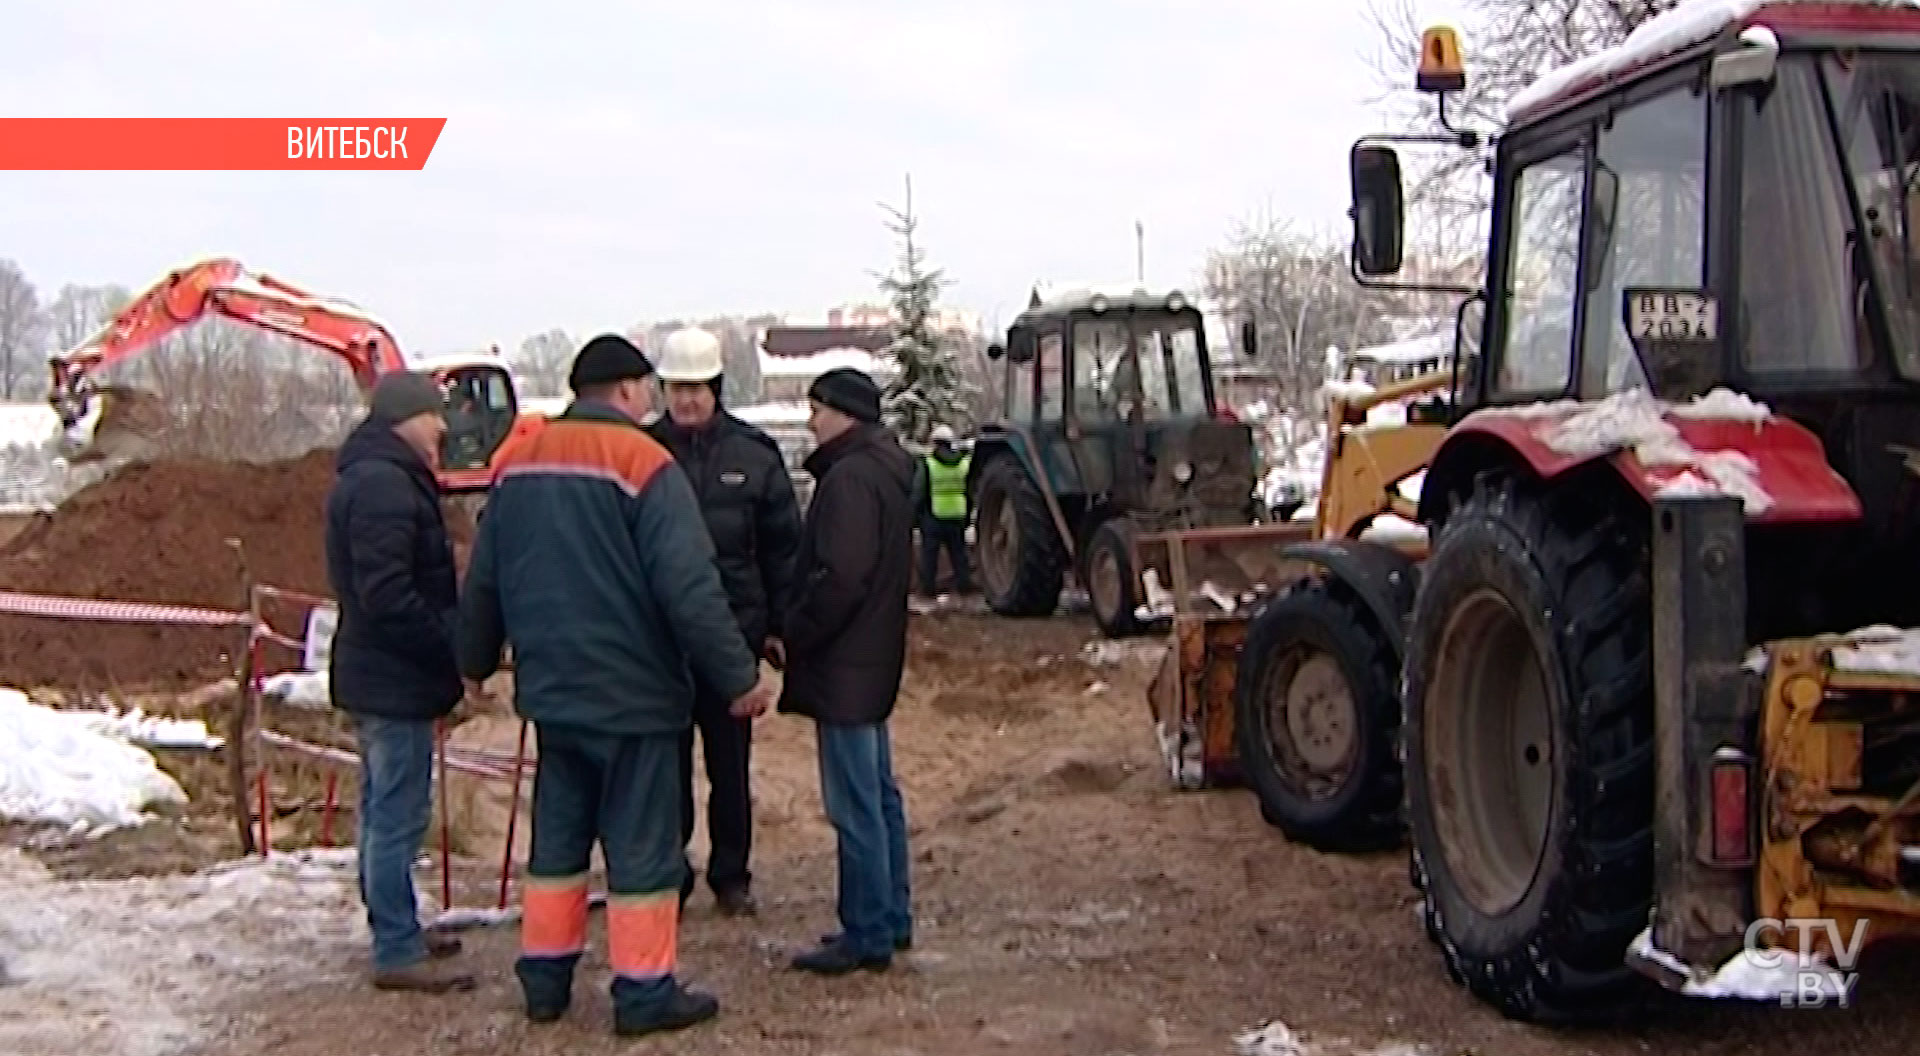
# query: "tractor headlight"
{"points": [[1099, 302], [1176, 302]]}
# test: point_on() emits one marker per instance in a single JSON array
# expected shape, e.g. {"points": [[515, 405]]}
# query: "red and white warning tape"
{"points": [[118, 611]]}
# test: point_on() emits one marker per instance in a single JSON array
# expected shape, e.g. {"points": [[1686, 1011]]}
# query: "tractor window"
{"points": [[1101, 379], [1052, 370], [1649, 225], [1171, 371], [1020, 392], [1541, 275], [1879, 102], [1800, 294]]}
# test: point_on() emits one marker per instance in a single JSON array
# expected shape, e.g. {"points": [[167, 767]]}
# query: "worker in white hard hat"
{"points": [[753, 518], [940, 497]]}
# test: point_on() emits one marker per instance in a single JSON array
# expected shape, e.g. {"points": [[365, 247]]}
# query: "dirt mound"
{"points": [[159, 533]]}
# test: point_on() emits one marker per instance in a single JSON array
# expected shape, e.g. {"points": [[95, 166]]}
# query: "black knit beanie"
{"points": [[607, 358], [848, 391]]}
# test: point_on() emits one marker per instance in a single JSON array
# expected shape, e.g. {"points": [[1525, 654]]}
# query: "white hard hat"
{"points": [[690, 354], [943, 433]]}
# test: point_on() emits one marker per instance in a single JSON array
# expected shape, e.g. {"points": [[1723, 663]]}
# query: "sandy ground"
{"points": [[1069, 903]]}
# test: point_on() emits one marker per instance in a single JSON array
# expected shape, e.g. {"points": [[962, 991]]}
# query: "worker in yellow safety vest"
{"points": [[940, 489]]}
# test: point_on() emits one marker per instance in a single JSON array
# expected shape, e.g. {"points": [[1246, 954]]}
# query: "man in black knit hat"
{"points": [[846, 639], [593, 563], [747, 496]]}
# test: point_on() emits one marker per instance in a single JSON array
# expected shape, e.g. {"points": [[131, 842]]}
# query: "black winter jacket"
{"points": [[391, 567], [847, 629], [746, 497]]}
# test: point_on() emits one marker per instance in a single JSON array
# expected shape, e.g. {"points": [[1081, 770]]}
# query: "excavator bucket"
{"points": [[128, 426]]}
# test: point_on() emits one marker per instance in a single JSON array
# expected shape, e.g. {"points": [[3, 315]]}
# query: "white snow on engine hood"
{"points": [[1634, 421]]}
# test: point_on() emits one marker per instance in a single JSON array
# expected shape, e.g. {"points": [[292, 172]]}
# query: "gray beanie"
{"points": [[403, 395]]}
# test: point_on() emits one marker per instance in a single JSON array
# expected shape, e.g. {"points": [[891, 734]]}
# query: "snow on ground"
{"points": [[76, 769], [135, 967], [1278, 1039], [1750, 975], [34, 476], [300, 689]]}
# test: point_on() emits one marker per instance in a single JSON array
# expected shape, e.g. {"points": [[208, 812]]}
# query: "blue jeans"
{"points": [[869, 819], [396, 803]]}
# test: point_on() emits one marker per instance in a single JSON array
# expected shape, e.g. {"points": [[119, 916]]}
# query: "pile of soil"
{"points": [[159, 533]]}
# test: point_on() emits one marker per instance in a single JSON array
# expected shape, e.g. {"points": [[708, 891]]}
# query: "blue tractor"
{"points": [[1109, 430]]}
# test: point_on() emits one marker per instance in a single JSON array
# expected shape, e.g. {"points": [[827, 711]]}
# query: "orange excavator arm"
{"points": [[224, 287]]}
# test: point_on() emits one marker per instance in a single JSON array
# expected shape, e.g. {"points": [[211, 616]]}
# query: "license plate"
{"points": [[1671, 315]]}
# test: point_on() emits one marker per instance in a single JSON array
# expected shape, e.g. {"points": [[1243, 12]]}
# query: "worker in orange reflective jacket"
{"points": [[593, 563]]}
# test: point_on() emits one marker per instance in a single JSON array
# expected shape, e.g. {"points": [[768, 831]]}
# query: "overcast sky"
{"points": [[605, 163]]}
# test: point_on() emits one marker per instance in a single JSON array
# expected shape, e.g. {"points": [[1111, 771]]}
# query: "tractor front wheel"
{"points": [[1113, 584], [1316, 717], [1529, 748], [1022, 566]]}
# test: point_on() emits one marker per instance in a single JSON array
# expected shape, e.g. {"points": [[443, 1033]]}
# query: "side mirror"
{"points": [[1249, 340], [1378, 210], [1020, 347], [996, 350]]}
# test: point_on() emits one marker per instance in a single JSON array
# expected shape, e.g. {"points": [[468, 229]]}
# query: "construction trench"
{"points": [[1070, 901]]}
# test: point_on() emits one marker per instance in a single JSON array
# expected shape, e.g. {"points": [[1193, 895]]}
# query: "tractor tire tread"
{"points": [[1571, 966]]}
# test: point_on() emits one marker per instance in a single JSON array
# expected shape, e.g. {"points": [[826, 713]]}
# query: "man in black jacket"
{"points": [[393, 668], [846, 639], [747, 499]]}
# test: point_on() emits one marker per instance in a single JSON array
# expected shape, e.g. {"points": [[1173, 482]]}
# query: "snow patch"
{"points": [[151, 731], [1880, 650], [1691, 23], [1634, 421], [300, 689], [1278, 1039], [1747, 975], [70, 769], [137, 967]]}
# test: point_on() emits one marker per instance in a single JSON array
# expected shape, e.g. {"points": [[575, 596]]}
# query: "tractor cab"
{"points": [[1109, 428], [1117, 393]]}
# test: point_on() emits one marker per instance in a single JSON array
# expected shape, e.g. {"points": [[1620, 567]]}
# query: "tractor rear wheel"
{"points": [[1529, 748], [1113, 584], [1022, 563], [1316, 716]]}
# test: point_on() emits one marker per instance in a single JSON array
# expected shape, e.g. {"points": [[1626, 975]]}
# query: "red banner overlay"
{"points": [[208, 143]]}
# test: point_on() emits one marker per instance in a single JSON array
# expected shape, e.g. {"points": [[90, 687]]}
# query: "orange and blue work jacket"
{"points": [[593, 561]]}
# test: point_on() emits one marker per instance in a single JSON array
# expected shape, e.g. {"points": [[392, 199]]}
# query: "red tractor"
{"points": [[1652, 694]]}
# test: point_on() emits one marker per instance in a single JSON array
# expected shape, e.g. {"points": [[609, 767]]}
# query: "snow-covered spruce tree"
{"points": [[930, 388]]}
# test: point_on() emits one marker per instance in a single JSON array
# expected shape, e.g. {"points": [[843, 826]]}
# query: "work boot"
{"points": [[901, 944], [422, 977], [684, 1009], [546, 1012], [441, 945], [836, 959], [737, 902]]}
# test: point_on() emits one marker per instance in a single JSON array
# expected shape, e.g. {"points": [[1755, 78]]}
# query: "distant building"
{"points": [[1383, 365]]}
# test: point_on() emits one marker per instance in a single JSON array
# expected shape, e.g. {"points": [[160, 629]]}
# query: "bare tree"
{"points": [[1296, 289], [22, 324], [542, 362], [1509, 44], [80, 311]]}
